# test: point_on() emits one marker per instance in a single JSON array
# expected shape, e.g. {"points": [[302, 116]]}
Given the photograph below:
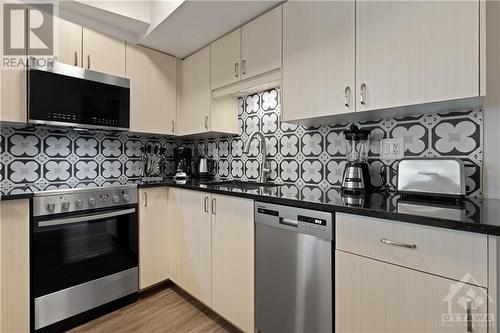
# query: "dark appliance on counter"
{"points": [[64, 95], [356, 179], [183, 167], [84, 254]]}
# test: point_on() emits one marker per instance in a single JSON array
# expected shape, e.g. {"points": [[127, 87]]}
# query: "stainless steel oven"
{"points": [[66, 95], [84, 251]]}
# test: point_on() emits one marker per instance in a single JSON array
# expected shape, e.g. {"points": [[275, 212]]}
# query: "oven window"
{"points": [[69, 254]]}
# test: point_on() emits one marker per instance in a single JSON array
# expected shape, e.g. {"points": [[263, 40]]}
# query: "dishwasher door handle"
{"points": [[288, 222]]}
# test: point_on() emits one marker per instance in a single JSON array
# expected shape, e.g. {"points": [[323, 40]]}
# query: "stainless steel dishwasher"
{"points": [[294, 269]]}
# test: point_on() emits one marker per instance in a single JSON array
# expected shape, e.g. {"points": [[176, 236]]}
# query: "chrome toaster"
{"points": [[432, 176]]}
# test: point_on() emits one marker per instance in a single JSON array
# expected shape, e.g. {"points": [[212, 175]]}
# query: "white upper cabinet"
{"points": [[412, 52], [261, 44], [225, 59], [196, 99], [318, 59], [103, 53], [68, 42], [153, 90]]}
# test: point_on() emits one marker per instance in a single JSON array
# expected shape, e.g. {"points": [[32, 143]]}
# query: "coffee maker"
{"points": [[356, 179], [182, 158]]}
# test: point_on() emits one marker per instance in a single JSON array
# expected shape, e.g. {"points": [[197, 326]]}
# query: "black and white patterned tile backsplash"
{"points": [[61, 158], [315, 157], [309, 158]]}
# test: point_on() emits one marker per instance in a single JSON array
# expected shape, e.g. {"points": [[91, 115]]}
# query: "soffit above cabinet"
{"points": [[177, 27]]}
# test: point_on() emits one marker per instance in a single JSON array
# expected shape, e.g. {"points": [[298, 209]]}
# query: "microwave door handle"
{"points": [[84, 218]]}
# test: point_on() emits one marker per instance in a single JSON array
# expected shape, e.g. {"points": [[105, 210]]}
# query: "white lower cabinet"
{"points": [[212, 252], [373, 296], [190, 243], [14, 266], [153, 236], [233, 263]]}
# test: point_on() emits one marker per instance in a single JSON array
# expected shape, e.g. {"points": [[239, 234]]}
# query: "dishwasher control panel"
{"points": [[316, 223]]}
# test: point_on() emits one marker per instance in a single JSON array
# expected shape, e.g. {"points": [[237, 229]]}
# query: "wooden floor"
{"points": [[166, 310]]}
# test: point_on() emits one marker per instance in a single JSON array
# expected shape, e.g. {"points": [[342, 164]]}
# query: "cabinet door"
{"points": [[14, 266], [68, 43], [233, 260], [103, 53], [153, 236], [13, 106], [318, 59], [152, 77], [226, 56], [190, 243], [261, 42], [411, 52], [196, 96], [373, 296]]}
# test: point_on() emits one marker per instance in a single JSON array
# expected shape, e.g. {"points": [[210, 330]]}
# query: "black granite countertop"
{"points": [[17, 192], [474, 215]]}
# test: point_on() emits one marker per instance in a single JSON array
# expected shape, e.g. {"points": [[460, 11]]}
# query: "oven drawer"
{"points": [[444, 252]]}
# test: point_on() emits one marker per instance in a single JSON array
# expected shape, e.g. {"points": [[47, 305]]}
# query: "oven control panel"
{"points": [[72, 200]]}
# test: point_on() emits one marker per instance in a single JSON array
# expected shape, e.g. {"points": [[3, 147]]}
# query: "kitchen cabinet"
{"points": [[190, 243], [153, 236], [318, 59], [196, 97], [14, 266], [212, 252], [412, 52], [374, 296], [371, 55], [68, 42], [13, 98], [103, 53], [233, 264], [251, 50], [434, 250], [225, 59], [261, 44], [198, 112], [153, 89]]}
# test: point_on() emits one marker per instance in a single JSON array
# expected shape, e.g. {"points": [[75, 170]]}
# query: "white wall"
{"points": [[491, 173]]}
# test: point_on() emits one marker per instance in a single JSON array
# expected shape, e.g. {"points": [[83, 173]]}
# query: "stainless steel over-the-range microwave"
{"points": [[65, 95]]}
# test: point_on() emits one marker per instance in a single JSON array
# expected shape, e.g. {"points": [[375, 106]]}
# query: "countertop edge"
{"points": [[400, 217], [17, 196]]}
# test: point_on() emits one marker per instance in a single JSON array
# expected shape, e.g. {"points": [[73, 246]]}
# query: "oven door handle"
{"points": [[85, 218]]}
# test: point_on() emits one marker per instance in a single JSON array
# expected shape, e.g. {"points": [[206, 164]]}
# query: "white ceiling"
{"points": [[176, 27]]}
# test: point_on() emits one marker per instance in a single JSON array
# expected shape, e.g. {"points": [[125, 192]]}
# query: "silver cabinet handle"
{"points": [[214, 206], [76, 58], [206, 122], [205, 204], [243, 67], [390, 242], [347, 96], [236, 69], [145, 199], [88, 61], [362, 97], [173, 126], [469, 316]]}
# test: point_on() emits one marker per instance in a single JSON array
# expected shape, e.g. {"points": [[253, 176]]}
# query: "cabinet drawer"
{"points": [[443, 252]]}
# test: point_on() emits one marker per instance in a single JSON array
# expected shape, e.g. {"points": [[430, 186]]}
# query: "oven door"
{"points": [[77, 248]]}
